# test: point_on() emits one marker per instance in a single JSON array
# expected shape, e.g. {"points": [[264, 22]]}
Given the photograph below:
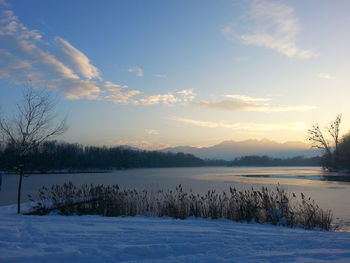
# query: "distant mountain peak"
{"points": [[231, 149]]}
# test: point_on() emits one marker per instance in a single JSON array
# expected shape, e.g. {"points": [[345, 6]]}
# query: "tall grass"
{"points": [[276, 206]]}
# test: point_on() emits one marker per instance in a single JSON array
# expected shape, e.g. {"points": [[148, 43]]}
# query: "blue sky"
{"points": [[161, 73]]}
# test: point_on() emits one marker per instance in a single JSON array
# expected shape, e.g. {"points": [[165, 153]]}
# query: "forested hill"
{"points": [[55, 155]]}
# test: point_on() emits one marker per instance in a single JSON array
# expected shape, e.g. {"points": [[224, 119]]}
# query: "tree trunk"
{"points": [[19, 192]]}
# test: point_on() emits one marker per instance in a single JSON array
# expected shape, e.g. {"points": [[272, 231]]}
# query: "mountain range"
{"points": [[229, 150]]}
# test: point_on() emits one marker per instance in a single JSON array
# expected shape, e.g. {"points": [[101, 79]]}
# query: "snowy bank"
{"points": [[55, 238]]}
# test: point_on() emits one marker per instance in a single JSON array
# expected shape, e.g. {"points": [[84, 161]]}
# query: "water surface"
{"points": [[330, 190]]}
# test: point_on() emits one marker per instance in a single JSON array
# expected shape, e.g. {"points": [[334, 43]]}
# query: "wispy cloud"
{"points": [[243, 126], [137, 71], [247, 103], [119, 94], [269, 24], [160, 76], [152, 132], [3, 3], [325, 76], [248, 106], [181, 96], [24, 57], [246, 98], [26, 60], [79, 60]]}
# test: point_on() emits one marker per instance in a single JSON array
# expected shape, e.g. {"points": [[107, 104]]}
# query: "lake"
{"points": [[329, 190]]}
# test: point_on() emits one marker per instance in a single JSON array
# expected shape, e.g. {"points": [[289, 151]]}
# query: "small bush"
{"points": [[277, 206]]}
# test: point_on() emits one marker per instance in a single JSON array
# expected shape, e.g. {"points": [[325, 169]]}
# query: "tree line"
{"points": [[63, 156], [54, 155]]}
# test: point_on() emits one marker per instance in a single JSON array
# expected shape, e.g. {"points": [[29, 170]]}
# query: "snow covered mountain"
{"points": [[229, 150]]}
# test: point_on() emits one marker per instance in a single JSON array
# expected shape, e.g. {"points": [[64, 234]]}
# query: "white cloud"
{"points": [[186, 95], [297, 126], [157, 99], [77, 88], [248, 106], [271, 24], [160, 76], [247, 103], [152, 132], [80, 61], [325, 76], [10, 26], [181, 96], [137, 71], [119, 94], [45, 58], [109, 85], [28, 60], [122, 94], [246, 98]]}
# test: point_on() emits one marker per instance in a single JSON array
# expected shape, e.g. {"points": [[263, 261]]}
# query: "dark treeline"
{"points": [[60, 156], [53, 155], [268, 161]]}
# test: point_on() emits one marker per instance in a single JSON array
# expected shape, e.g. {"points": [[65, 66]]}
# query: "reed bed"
{"points": [[276, 206]]}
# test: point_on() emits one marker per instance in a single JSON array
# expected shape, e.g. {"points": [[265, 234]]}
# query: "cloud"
{"points": [[247, 103], [247, 106], [160, 76], [3, 3], [119, 94], [181, 96], [186, 95], [269, 24], [152, 132], [24, 57], [80, 61], [296, 126], [137, 71], [246, 98], [122, 94], [45, 58], [12, 66], [10, 26], [24, 60], [77, 88], [325, 76]]}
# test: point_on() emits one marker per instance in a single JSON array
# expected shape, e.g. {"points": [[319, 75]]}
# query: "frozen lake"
{"points": [[330, 190]]}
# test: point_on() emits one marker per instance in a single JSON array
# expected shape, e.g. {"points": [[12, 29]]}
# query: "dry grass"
{"points": [[277, 206]]}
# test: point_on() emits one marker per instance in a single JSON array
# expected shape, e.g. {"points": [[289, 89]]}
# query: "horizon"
{"points": [[145, 146], [180, 73]]}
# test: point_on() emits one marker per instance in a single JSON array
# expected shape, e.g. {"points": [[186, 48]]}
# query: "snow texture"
{"points": [[56, 238]]}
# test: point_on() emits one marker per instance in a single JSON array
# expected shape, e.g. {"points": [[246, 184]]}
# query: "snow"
{"points": [[56, 238]]}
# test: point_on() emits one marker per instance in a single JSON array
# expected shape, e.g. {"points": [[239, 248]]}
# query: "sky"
{"points": [[155, 74]]}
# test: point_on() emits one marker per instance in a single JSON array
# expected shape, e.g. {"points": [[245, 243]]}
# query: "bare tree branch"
{"points": [[34, 123]]}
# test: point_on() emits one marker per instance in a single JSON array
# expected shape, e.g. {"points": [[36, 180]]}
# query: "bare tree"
{"points": [[318, 140], [33, 123], [333, 130]]}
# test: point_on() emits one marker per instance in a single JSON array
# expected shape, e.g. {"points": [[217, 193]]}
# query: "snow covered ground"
{"points": [[55, 238]]}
